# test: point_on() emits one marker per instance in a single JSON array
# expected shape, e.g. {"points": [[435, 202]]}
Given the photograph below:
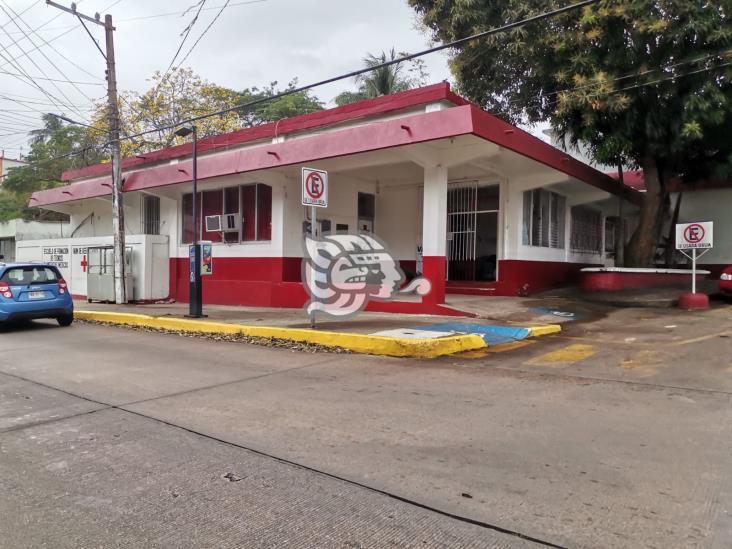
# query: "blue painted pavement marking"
{"points": [[491, 334]]}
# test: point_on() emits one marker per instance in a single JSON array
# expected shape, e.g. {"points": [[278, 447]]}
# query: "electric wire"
{"points": [[401, 59], [34, 83], [211, 24], [66, 78]]}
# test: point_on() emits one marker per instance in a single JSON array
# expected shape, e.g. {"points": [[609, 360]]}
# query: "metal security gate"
{"points": [[461, 221], [472, 224]]}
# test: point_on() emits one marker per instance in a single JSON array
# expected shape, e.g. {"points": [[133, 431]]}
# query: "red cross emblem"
{"points": [[84, 264]]}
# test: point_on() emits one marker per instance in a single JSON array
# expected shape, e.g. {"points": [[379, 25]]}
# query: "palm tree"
{"points": [[384, 80], [51, 124]]}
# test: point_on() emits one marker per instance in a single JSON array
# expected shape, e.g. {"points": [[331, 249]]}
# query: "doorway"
{"points": [[472, 232]]}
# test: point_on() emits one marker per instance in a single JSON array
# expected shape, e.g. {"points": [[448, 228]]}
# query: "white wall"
{"points": [[711, 205], [150, 265], [28, 230], [512, 219]]}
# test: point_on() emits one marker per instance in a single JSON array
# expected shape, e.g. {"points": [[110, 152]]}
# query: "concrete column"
{"points": [[434, 231]]}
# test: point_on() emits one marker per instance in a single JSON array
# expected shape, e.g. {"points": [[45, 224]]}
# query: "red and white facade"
{"points": [[473, 203]]}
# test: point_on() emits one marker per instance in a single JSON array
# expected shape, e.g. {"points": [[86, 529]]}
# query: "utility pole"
{"points": [[118, 222]]}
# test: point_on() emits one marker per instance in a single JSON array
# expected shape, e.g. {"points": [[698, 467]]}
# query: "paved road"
{"points": [[615, 434]]}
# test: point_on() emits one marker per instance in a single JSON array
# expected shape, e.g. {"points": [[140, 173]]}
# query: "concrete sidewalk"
{"points": [[414, 336]]}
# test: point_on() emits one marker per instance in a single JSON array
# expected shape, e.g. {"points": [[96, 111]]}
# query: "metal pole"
{"points": [[313, 219], [118, 221], [195, 305], [693, 271]]}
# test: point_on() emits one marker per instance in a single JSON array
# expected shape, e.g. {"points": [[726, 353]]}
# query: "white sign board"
{"points": [[314, 188], [691, 236]]}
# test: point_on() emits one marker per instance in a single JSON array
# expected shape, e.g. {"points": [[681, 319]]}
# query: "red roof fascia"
{"points": [[392, 133], [502, 133], [633, 179], [354, 111]]}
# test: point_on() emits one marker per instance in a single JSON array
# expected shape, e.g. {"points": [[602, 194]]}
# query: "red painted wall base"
{"points": [[614, 281]]}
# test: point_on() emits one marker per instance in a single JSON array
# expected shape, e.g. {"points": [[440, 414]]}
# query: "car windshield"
{"points": [[22, 276]]}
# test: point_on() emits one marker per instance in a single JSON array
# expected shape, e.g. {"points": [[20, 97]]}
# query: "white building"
{"points": [[473, 203]]}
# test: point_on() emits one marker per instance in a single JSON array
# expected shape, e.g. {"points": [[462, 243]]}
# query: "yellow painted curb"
{"points": [[360, 343], [537, 331]]}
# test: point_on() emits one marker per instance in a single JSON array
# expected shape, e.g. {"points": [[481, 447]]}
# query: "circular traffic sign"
{"points": [[314, 185], [694, 233]]}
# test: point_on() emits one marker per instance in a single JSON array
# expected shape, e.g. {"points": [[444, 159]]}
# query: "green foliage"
{"points": [[46, 162], [385, 80], [182, 94], [643, 82], [284, 107]]}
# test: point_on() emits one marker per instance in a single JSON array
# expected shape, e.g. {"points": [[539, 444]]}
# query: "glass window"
{"points": [[187, 205], [231, 206], [586, 230], [543, 222], [256, 208], [212, 204], [250, 203], [150, 214], [23, 276]]}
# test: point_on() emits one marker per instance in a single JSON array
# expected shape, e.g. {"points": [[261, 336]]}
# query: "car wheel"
{"points": [[65, 320]]}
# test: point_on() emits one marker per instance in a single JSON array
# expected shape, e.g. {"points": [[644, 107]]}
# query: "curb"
{"points": [[358, 343]]}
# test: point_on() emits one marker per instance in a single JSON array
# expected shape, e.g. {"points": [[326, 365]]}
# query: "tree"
{"points": [[180, 95], [385, 80], [270, 111], [640, 82], [176, 96], [54, 148]]}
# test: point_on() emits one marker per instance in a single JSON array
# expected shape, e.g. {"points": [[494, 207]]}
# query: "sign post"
{"points": [[315, 195], [694, 236]]}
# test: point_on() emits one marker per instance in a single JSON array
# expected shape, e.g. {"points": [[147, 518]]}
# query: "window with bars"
{"points": [[586, 230], [543, 220], [150, 214], [252, 204]]}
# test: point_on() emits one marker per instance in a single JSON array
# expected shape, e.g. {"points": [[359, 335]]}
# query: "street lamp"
{"points": [[195, 287]]}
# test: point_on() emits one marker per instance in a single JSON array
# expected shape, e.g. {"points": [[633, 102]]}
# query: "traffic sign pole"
{"points": [[693, 271], [315, 195], [313, 219]]}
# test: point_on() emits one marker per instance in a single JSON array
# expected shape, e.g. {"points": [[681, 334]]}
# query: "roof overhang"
{"points": [[424, 127]]}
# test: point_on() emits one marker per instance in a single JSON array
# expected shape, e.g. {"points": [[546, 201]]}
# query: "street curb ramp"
{"points": [[358, 343]]}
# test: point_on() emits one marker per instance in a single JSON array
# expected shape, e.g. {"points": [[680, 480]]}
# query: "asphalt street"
{"points": [[614, 434]]}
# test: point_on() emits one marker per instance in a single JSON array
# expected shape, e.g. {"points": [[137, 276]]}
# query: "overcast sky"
{"points": [[251, 44]]}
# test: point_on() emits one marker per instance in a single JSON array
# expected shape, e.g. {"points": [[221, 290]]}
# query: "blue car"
{"points": [[34, 290]]}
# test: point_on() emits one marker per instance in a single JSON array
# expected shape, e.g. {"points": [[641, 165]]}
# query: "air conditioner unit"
{"points": [[232, 223], [213, 224]]}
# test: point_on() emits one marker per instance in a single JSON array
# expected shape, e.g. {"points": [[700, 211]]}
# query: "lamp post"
{"points": [[195, 287]]}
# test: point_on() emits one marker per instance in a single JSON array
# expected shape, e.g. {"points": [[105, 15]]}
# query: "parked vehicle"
{"points": [[34, 290], [725, 281]]}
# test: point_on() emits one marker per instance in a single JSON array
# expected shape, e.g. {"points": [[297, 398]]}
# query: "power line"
{"points": [[204, 32], [638, 75], [242, 106], [55, 79], [158, 15], [398, 60], [66, 78], [187, 32], [59, 36], [33, 82]]}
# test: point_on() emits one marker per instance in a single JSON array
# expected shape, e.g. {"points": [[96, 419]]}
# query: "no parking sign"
{"points": [[314, 188], [691, 236]]}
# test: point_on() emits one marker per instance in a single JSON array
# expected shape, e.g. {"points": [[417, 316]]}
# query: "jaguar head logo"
{"points": [[343, 272]]}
